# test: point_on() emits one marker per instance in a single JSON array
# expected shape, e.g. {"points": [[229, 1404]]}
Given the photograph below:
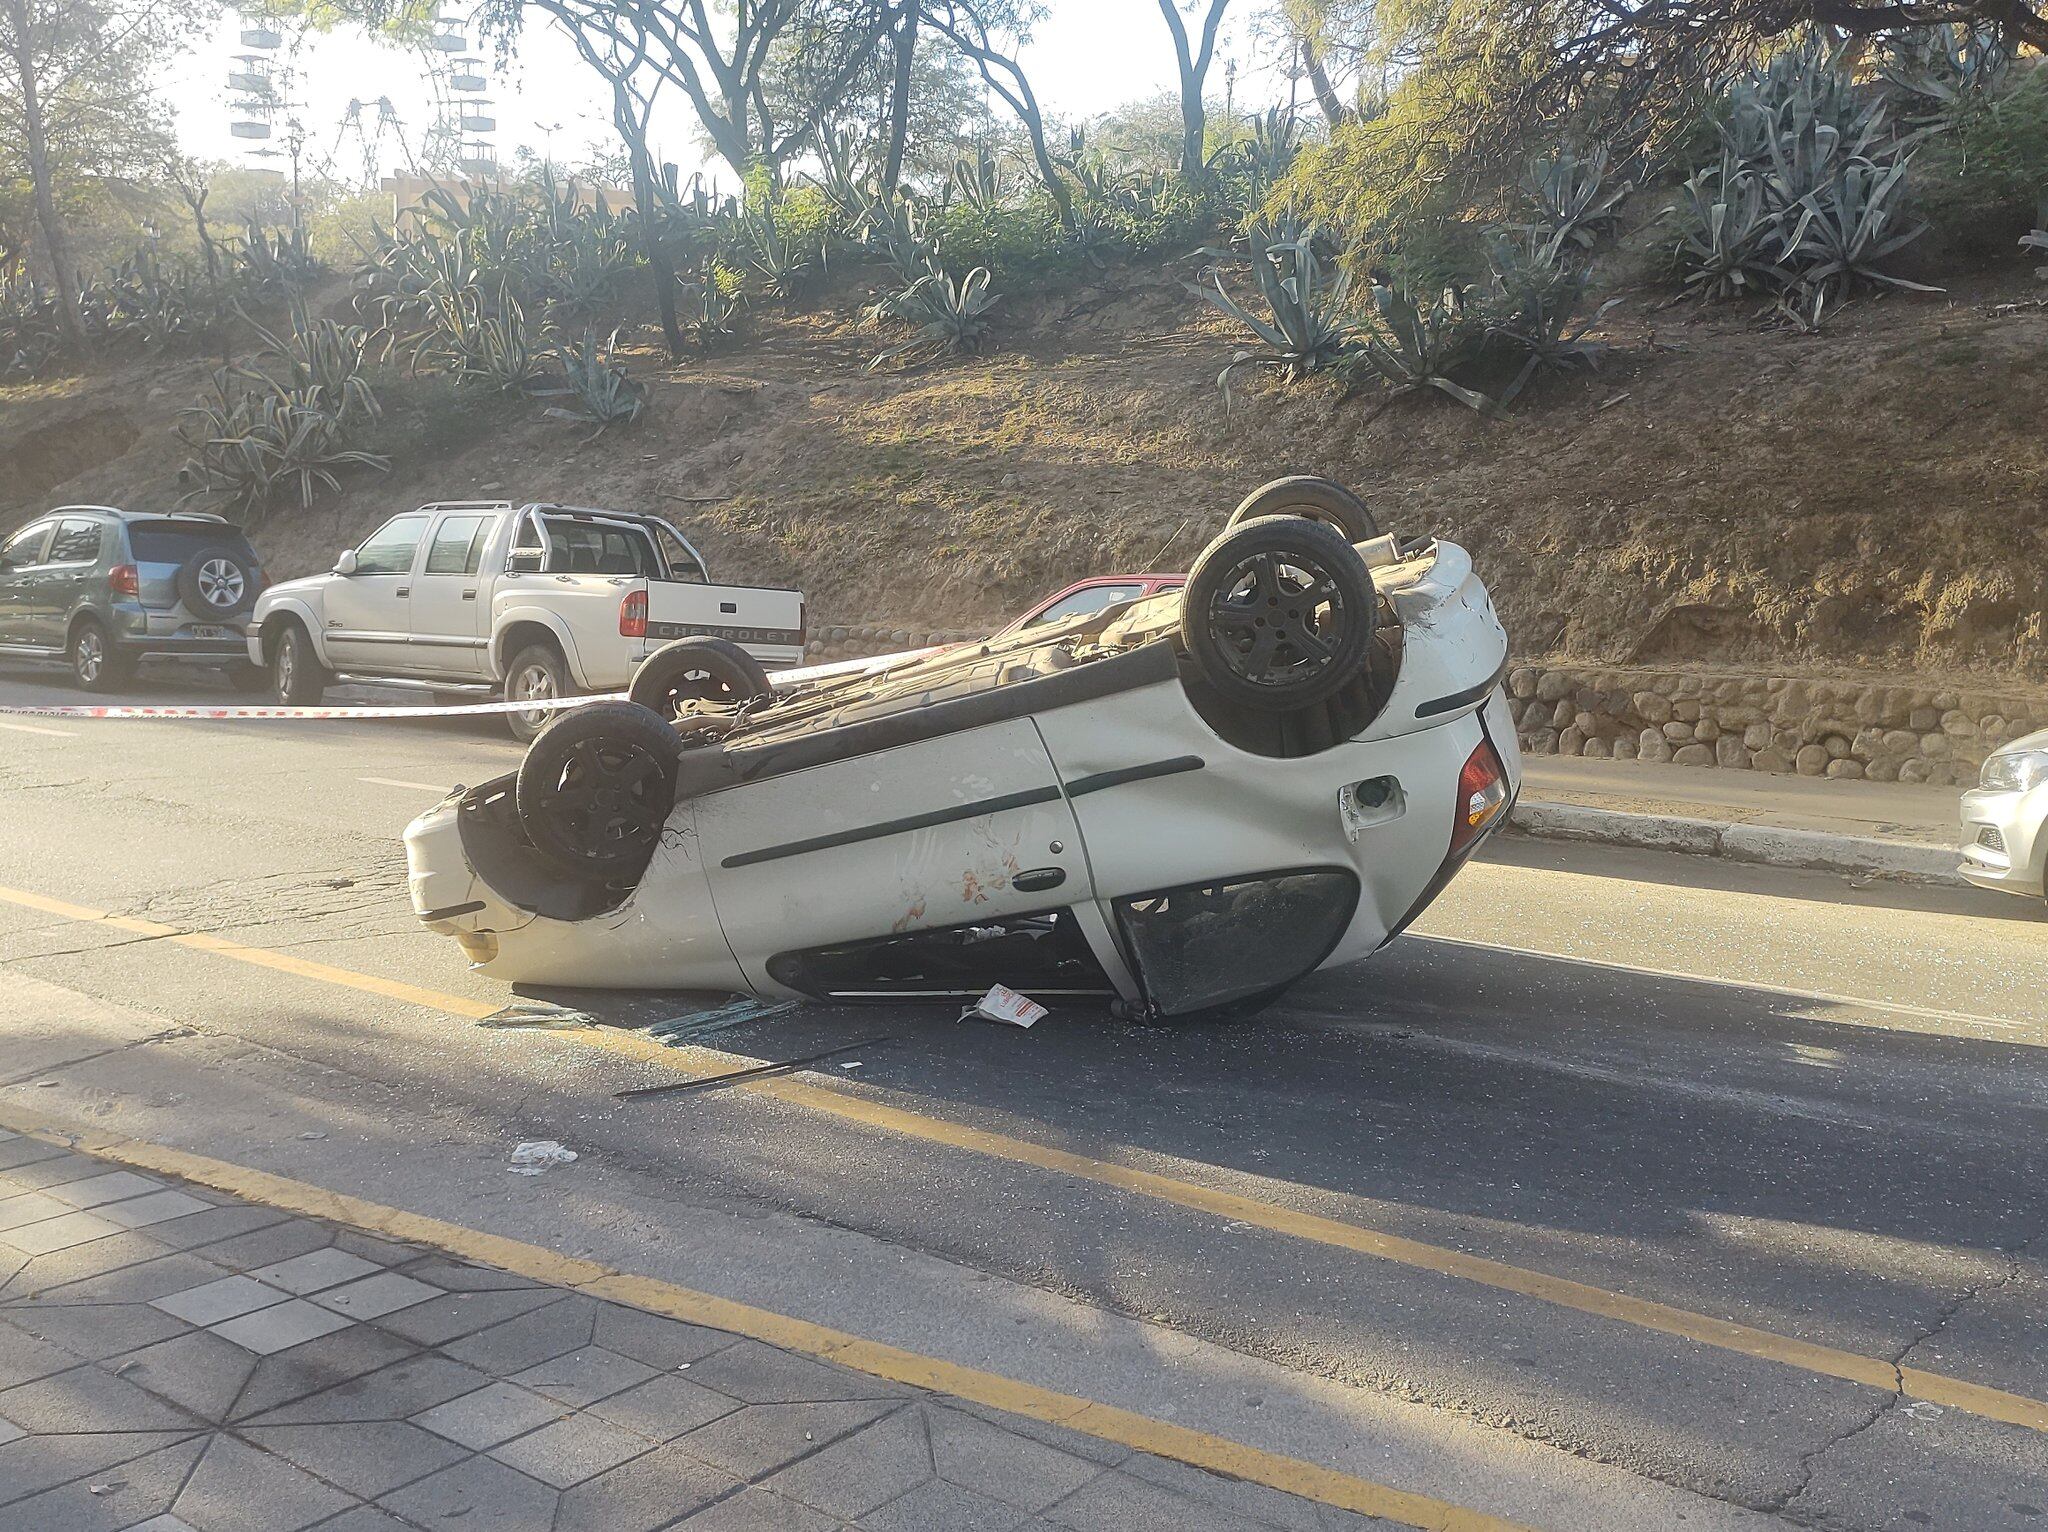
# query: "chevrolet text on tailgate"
{"points": [[533, 601]]}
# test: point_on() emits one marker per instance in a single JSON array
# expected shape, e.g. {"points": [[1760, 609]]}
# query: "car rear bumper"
{"points": [[2005, 839]]}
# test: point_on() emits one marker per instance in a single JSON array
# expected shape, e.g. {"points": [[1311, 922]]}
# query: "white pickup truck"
{"points": [[533, 602]]}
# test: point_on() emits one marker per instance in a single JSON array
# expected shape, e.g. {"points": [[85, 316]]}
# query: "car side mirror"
{"points": [[346, 564], [523, 561]]}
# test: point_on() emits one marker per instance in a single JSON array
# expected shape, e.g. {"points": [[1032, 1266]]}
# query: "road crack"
{"points": [[1809, 1462]]}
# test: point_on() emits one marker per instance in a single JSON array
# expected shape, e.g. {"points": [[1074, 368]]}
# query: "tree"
{"points": [[991, 34], [720, 58], [1193, 60], [76, 103], [1329, 39]]}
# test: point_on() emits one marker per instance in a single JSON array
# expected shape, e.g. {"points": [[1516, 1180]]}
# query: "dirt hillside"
{"points": [[1876, 497]]}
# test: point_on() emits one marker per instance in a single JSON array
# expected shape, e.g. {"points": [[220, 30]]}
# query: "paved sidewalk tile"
{"points": [[172, 1361]]}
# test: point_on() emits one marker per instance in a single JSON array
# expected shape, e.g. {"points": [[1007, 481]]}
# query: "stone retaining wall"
{"points": [[1884, 731]]}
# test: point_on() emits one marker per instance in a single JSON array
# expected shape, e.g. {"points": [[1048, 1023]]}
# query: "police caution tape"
{"points": [[236, 714]]}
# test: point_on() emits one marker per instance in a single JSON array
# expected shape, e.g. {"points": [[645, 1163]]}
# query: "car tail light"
{"points": [[633, 615], [123, 580], [1482, 795]]}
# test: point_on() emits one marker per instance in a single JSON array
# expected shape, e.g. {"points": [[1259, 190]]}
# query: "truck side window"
{"points": [[390, 549], [458, 546]]}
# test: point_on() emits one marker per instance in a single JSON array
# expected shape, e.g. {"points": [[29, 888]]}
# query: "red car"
{"points": [[1086, 597]]}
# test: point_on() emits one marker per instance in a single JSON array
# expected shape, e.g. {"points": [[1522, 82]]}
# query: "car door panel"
{"points": [[20, 589], [448, 615], [368, 614], [928, 835]]}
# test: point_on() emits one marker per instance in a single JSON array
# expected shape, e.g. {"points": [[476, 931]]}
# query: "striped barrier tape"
{"points": [[458, 710]]}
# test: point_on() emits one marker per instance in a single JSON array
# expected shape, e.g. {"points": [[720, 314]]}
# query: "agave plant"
{"points": [[1310, 327], [786, 268], [475, 338], [271, 262], [2038, 240], [144, 300], [325, 355], [257, 439], [1842, 235], [1728, 237], [976, 182], [903, 234], [31, 338], [847, 181], [951, 316], [1937, 67], [1412, 345], [1533, 309], [711, 306], [1807, 308], [1572, 198], [604, 394]]}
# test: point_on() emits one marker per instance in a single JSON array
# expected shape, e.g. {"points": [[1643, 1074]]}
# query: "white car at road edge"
{"points": [[2005, 819]]}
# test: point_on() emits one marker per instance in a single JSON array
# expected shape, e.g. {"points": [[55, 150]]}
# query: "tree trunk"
{"points": [[633, 131], [1319, 81], [56, 243], [899, 100], [1194, 128]]}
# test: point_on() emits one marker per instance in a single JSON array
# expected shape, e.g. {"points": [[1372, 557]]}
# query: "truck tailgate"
{"points": [[760, 618]]}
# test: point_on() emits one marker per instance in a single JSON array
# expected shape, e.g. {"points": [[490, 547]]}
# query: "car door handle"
{"points": [[1038, 879], [404, 591], [469, 595]]}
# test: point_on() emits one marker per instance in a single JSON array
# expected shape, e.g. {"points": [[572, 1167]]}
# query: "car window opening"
{"points": [[1210, 944], [1043, 955]]}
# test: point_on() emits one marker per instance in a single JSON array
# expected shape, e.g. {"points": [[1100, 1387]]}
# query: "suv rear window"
{"points": [[173, 542]]}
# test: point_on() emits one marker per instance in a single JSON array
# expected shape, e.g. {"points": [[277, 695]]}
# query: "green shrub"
{"points": [[1979, 178]]}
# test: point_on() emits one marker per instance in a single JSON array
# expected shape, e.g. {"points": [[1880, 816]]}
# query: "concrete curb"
{"points": [[1772, 845]]}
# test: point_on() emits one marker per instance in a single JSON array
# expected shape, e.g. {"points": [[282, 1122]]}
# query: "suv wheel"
{"points": [[538, 673], [298, 678], [217, 583], [96, 664]]}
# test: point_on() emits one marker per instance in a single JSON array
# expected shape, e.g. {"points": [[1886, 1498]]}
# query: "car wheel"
{"points": [[1317, 499], [595, 790], [538, 673], [1279, 613], [698, 669], [95, 663], [296, 674], [217, 583]]}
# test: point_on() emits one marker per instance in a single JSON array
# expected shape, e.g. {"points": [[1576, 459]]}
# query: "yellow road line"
{"points": [[1563, 1292], [1105, 1422]]}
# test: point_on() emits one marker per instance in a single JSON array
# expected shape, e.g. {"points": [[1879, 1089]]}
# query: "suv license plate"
{"points": [[206, 632]]}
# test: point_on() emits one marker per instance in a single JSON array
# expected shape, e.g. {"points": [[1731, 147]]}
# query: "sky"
{"points": [[1087, 57]]}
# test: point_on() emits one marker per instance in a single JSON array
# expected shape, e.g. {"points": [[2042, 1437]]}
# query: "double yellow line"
{"points": [[1727, 1335]]}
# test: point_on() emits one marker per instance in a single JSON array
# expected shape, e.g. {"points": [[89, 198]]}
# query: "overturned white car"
{"points": [[1184, 803]]}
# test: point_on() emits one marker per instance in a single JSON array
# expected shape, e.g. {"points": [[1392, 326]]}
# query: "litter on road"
{"points": [[752, 1072], [1005, 1005], [531, 1159]]}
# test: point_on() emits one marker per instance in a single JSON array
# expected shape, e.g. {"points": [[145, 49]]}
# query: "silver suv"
{"points": [[103, 587]]}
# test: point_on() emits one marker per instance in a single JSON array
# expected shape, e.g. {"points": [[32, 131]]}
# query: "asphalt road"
{"points": [[1642, 1085]]}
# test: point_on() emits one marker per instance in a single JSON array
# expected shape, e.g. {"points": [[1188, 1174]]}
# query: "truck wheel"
{"points": [[693, 669], [296, 674], [595, 790], [1279, 613], [537, 673], [1317, 499], [95, 663]]}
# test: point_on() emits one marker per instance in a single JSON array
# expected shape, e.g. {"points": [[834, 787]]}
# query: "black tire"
{"points": [[216, 584], [96, 664], [1317, 499], [1279, 614], [596, 788], [692, 669], [537, 671], [245, 677], [297, 678]]}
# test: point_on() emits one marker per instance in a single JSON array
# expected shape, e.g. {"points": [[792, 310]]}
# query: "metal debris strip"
{"points": [[539, 1016], [682, 1031], [756, 1072]]}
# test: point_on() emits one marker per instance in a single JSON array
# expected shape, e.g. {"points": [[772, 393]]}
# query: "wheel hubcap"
{"points": [[606, 802], [1277, 618], [220, 584], [90, 656], [533, 684]]}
